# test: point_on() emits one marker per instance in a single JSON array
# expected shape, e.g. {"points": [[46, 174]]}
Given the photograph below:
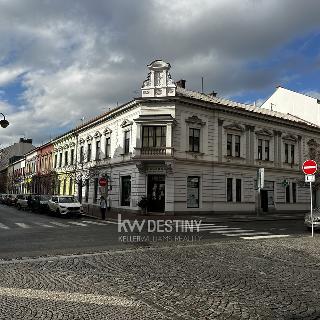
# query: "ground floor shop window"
{"points": [[125, 190], [95, 193], [294, 192], [193, 184], [288, 193], [87, 190]]}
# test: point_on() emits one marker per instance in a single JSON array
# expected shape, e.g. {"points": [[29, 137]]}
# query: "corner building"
{"points": [[190, 152]]}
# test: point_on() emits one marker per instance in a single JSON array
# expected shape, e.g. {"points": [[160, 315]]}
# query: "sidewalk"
{"points": [[220, 217]]}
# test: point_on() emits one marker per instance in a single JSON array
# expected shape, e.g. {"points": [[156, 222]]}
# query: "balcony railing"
{"points": [[151, 152]]}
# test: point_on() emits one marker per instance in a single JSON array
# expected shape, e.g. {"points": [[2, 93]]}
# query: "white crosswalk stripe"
{"points": [[2, 226], [78, 224], [60, 224], [22, 225], [43, 225], [266, 237], [94, 222], [247, 234]]}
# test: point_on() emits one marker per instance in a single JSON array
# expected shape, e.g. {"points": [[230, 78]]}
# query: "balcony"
{"points": [[153, 152]]}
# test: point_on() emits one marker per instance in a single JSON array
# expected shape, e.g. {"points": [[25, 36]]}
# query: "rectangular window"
{"points": [[237, 146], [294, 192], [229, 190], [286, 153], [81, 154], [288, 193], [238, 190], [292, 154], [108, 146], [126, 141], [125, 191], [95, 193], [266, 150], [64, 186], [55, 160], [260, 149], [98, 145], [66, 158], [72, 157], [60, 159], [229, 144], [194, 140], [153, 136], [193, 184], [89, 152], [87, 190]]}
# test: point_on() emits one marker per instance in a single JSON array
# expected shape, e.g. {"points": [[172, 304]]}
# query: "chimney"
{"points": [[181, 83], [214, 94]]}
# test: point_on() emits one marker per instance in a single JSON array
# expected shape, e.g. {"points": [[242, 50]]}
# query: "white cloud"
{"points": [[76, 58]]}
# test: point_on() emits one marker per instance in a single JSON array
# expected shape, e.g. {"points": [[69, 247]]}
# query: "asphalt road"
{"points": [[27, 234]]}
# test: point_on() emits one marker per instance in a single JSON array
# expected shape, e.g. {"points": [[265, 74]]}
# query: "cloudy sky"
{"points": [[64, 60]]}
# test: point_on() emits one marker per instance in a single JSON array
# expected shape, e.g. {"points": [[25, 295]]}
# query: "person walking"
{"points": [[103, 207]]}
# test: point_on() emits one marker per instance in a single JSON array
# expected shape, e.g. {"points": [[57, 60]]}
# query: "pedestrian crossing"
{"points": [[227, 231], [53, 224]]}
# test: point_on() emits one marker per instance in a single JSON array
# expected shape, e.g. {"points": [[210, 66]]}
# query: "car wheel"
{"points": [[19, 207], [58, 212]]}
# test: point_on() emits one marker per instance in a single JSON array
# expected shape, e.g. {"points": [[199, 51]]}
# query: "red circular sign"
{"points": [[309, 167], [102, 182]]}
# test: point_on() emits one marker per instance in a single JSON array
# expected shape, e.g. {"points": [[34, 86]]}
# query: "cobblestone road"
{"points": [[269, 279]]}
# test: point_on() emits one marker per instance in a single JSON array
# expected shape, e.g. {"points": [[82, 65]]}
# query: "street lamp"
{"points": [[4, 123]]}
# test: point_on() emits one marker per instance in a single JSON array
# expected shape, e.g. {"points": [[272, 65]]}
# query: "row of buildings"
{"points": [[185, 151]]}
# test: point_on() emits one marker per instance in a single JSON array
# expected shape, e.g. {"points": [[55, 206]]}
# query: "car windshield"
{"points": [[67, 200]]}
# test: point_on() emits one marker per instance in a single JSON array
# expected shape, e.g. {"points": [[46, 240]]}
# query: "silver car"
{"points": [[316, 219]]}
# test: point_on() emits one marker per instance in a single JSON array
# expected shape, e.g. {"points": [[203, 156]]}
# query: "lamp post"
{"points": [[4, 123]]}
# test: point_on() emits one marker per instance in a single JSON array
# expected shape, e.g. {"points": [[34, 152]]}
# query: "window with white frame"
{"points": [[234, 190], [108, 147], [289, 143]]}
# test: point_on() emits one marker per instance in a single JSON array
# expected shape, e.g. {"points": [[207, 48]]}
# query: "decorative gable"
{"points": [[158, 82], [234, 127], [264, 132], [195, 120], [82, 141], [126, 123], [290, 138], [97, 135], [107, 131], [89, 138]]}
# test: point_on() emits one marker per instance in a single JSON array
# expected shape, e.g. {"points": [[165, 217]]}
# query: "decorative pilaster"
{"points": [[220, 123]]}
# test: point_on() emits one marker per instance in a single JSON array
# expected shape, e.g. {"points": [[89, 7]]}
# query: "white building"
{"points": [[295, 103], [189, 152]]}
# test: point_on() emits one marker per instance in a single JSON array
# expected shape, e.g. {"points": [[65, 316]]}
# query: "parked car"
{"points": [[39, 203], [316, 219], [2, 198], [22, 201], [9, 200], [65, 205]]}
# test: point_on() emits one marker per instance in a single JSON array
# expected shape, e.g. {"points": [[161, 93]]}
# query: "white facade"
{"points": [[190, 153], [294, 103]]}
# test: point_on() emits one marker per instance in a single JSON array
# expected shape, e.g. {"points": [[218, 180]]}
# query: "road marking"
{"points": [[43, 225], [59, 224], [90, 298], [231, 231], [267, 237], [78, 224], [113, 222], [247, 234], [2, 226], [22, 225], [94, 222]]}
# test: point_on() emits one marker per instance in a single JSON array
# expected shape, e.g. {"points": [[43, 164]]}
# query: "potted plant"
{"points": [[143, 204]]}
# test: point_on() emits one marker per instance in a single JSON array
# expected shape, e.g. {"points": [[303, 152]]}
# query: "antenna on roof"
{"points": [[201, 84]]}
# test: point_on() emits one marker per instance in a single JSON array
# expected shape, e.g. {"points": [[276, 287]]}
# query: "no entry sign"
{"points": [[309, 167], [102, 182]]}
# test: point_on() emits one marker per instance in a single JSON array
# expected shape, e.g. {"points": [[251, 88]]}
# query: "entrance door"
{"points": [[156, 193], [264, 200]]}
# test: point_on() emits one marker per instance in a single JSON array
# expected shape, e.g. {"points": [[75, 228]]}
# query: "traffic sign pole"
{"points": [[311, 215]]}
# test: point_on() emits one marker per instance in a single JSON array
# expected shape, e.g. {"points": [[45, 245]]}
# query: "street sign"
{"points": [[103, 182], [310, 178], [309, 167]]}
